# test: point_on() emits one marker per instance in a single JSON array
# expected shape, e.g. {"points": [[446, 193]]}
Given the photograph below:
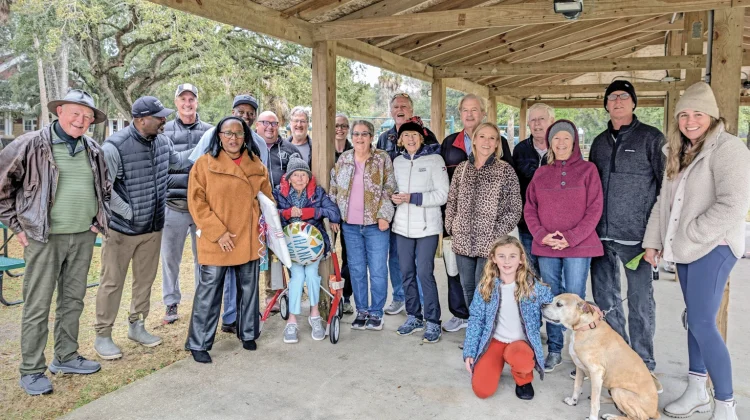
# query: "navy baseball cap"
{"points": [[245, 99], [148, 106]]}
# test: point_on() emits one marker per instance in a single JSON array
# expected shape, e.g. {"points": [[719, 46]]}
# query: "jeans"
{"points": [[526, 240], [417, 261], [397, 283], [575, 271], [230, 298], [605, 285], [368, 250], [470, 270], [301, 274], [702, 284]]}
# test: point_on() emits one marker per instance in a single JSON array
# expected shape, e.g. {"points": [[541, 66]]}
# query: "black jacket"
{"points": [[526, 161], [631, 169], [347, 146], [389, 139], [455, 154], [278, 157], [184, 137]]}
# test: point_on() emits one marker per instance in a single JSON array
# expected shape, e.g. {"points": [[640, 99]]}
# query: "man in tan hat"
{"points": [[53, 196]]}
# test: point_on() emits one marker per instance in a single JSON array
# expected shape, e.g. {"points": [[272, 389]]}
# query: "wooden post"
{"points": [[695, 25], [670, 102], [323, 120], [492, 110], [437, 108], [725, 77], [522, 121]]}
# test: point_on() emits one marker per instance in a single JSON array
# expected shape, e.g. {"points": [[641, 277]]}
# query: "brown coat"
{"points": [[222, 196]]}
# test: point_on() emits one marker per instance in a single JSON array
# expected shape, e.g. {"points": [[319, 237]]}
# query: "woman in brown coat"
{"points": [[222, 198]]}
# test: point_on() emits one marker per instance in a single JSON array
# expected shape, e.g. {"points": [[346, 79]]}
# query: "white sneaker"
{"points": [[695, 399], [725, 410]]}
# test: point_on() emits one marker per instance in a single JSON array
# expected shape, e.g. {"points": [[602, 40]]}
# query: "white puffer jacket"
{"points": [[423, 173]]}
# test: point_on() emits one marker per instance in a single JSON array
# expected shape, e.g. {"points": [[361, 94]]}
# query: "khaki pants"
{"points": [[63, 262], [118, 250]]}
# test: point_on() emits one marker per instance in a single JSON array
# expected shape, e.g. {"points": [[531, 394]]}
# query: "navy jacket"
{"points": [[389, 139], [526, 161], [454, 153]]}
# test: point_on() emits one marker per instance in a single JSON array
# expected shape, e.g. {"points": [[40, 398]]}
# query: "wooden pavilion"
{"points": [[509, 51]]}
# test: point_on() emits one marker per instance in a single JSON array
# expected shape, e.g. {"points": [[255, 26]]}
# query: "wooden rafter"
{"points": [[597, 103], [593, 89], [382, 8], [465, 39]]}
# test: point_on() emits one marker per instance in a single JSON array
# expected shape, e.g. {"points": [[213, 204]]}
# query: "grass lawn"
{"points": [[73, 391]]}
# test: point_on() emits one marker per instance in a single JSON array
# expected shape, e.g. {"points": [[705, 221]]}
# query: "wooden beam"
{"points": [[508, 100], [414, 42], [596, 103], [675, 47], [529, 13], [695, 26], [597, 89], [670, 102], [467, 86], [306, 5], [727, 64], [382, 8], [492, 110], [378, 57], [522, 117], [437, 108], [244, 14], [463, 40], [575, 66]]}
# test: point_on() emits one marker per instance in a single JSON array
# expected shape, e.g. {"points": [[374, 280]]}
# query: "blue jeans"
{"points": [[575, 271], [230, 298], [302, 274], [367, 248], [526, 240], [394, 269], [702, 283]]}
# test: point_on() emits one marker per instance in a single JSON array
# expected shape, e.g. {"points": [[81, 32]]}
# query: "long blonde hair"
{"points": [[524, 288], [681, 151], [499, 150]]}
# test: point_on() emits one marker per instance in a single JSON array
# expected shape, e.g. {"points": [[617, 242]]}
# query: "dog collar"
{"points": [[594, 324]]}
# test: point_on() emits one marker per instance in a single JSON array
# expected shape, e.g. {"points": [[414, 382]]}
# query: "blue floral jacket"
{"points": [[482, 317]]}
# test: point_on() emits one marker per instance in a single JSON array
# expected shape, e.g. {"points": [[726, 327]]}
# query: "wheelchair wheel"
{"points": [[334, 330], [284, 307]]}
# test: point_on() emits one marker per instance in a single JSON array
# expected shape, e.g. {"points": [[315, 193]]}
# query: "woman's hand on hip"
{"points": [[225, 241], [652, 256], [383, 225], [469, 363]]}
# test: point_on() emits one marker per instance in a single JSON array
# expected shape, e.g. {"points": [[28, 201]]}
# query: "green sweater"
{"points": [[74, 206]]}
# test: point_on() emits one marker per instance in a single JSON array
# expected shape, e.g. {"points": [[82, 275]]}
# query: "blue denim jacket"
{"points": [[482, 317]]}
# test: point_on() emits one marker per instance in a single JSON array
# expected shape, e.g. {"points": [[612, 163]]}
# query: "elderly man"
{"points": [[628, 156], [300, 122], [528, 156], [138, 162], [454, 150], [244, 106], [279, 154], [53, 196], [185, 131]]}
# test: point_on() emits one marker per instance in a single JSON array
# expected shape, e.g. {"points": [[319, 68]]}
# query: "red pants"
{"points": [[487, 371]]}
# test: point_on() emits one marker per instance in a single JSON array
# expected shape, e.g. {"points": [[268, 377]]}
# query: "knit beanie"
{"points": [[698, 97], [623, 85], [558, 126], [296, 164]]}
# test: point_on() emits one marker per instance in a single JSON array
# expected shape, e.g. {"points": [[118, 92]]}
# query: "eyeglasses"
{"points": [[362, 134], [614, 96], [299, 121], [231, 134], [273, 124], [341, 126]]}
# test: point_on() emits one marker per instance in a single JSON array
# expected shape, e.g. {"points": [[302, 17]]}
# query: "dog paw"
{"points": [[609, 416], [571, 401]]}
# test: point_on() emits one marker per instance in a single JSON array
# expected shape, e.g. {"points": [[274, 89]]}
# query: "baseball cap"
{"points": [[186, 87], [148, 106], [245, 99]]}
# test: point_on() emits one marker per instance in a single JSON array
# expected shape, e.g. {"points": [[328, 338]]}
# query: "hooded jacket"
{"points": [[317, 206], [526, 161], [565, 196], [388, 141], [424, 176], [278, 157]]}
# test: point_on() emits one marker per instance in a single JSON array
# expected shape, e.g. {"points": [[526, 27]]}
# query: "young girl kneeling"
{"points": [[298, 199], [504, 321]]}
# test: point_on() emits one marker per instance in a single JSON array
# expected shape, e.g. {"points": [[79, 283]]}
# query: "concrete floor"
{"points": [[379, 375]]}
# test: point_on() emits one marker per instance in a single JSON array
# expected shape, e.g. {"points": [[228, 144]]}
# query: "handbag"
{"points": [[449, 257]]}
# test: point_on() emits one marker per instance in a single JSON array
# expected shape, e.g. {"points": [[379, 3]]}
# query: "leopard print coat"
{"points": [[483, 205]]}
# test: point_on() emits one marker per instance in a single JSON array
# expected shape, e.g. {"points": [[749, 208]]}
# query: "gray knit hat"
{"points": [[698, 97], [558, 126], [296, 164]]}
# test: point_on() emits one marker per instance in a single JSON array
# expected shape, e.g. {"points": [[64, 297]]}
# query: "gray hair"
{"points": [[475, 97], [300, 110], [342, 115], [401, 95], [540, 105], [367, 124]]}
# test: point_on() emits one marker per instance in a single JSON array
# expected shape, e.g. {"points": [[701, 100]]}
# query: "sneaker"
{"points": [[432, 334], [171, 314], [290, 334], [412, 324], [552, 361], [659, 388], [525, 392], [360, 322], [573, 375], [455, 324], [670, 267], [229, 328], [374, 322], [318, 332], [80, 366], [395, 307], [36, 384], [348, 308]]}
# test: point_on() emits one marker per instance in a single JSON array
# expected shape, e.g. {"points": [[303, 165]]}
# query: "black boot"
{"points": [[201, 356], [229, 328], [249, 345], [525, 392]]}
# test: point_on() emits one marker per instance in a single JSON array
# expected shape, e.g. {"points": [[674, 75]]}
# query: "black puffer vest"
{"points": [[144, 187], [184, 137]]}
